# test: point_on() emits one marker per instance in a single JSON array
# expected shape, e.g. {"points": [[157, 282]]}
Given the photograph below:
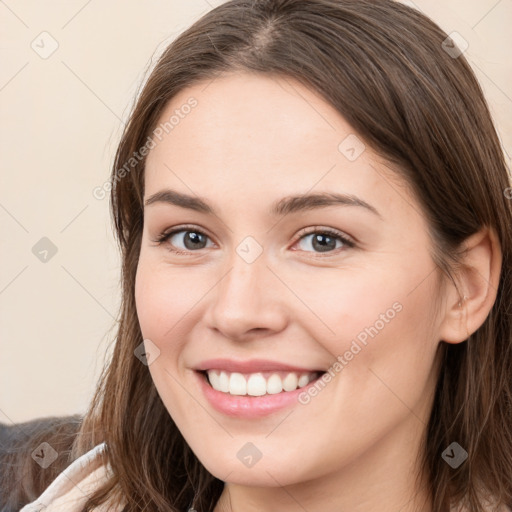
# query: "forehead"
{"points": [[263, 136], [264, 118]]}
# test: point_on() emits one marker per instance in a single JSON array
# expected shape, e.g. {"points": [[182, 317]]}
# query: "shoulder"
{"points": [[73, 486]]}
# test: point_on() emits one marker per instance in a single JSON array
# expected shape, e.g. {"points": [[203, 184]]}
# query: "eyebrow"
{"points": [[284, 206]]}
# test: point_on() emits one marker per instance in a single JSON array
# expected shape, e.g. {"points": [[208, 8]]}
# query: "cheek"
{"points": [[163, 299], [388, 346], [381, 316], [342, 303], [161, 303]]}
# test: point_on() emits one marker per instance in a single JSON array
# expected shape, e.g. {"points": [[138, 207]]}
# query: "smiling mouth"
{"points": [[258, 383]]}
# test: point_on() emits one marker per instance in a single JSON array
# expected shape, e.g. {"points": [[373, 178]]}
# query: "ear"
{"points": [[478, 282]]}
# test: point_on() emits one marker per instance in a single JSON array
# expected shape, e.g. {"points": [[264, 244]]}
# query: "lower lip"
{"points": [[249, 406]]}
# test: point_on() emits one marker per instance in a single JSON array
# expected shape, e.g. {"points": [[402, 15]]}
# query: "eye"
{"points": [[324, 239], [191, 237]]}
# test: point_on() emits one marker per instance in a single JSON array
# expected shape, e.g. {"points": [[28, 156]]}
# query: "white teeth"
{"points": [[274, 384], [214, 379], [303, 380], [223, 382], [290, 382], [237, 384], [255, 384]]}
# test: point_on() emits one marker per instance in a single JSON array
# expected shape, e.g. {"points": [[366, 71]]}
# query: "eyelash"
{"points": [[348, 243]]}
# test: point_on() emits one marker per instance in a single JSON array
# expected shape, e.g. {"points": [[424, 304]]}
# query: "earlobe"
{"points": [[478, 282]]}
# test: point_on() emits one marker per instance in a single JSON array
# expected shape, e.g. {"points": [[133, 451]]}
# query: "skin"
{"points": [[250, 141]]}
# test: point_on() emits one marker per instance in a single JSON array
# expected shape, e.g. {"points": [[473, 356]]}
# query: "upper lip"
{"points": [[251, 366]]}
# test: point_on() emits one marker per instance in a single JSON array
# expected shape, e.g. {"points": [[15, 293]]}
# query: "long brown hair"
{"points": [[383, 66]]}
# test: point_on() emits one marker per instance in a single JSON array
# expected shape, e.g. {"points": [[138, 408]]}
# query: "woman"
{"points": [[312, 206]]}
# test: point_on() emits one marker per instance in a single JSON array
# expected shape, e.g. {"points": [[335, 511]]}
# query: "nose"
{"points": [[248, 301]]}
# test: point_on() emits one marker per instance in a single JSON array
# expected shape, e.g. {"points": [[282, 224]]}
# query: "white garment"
{"points": [[73, 486]]}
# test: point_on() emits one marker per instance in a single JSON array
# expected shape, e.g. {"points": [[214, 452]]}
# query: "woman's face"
{"points": [[259, 281]]}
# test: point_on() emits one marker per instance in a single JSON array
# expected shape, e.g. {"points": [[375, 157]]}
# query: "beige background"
{"points": [[60, 122]]}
